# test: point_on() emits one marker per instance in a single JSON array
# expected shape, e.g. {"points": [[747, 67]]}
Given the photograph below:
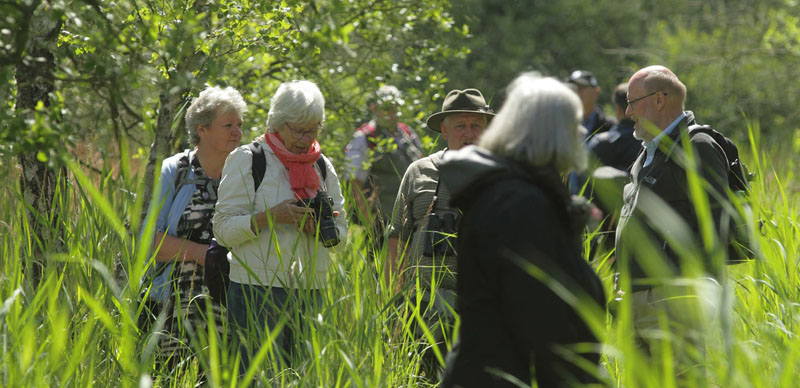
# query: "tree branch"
{"points": [[21, 40], [16, 5]]}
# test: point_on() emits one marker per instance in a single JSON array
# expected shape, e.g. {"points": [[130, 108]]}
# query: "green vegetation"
{"points": [[120, 74], [77, 328]]}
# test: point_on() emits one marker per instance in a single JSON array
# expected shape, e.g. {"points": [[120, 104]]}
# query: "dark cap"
{"points": [[582, 78], [460, 101]]}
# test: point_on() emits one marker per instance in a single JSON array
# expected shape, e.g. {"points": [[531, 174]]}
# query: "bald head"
{"points": [[655, 99], [658, 77]]}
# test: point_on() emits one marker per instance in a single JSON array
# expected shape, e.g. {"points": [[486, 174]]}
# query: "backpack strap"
{"points": [[182, 172], [370, 131], [728, 148], [322, 167], [259, 167], [403, 127], [435, 163]]}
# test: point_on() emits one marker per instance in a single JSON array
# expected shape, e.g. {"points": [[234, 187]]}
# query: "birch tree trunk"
{"points": [[175, 93], [170, 104], [34, 76]]}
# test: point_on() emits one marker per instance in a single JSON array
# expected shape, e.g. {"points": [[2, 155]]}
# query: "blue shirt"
{"points": [[652, 145]]}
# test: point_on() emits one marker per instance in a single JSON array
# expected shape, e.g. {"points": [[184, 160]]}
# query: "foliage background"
{"points": [[115, 59], [736, 57], [124, 70]]}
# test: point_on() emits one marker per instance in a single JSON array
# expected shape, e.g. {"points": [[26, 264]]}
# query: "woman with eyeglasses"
{"points": [[276, 226]]}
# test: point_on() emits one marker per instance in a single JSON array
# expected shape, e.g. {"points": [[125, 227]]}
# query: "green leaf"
{"points": [[98, 198]]}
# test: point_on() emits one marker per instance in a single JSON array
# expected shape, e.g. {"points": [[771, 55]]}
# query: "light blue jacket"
{"points": [[170, 207]]}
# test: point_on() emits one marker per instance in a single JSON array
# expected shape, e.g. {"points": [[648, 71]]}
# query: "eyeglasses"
{"points": [[631, 102], [299, 134]]}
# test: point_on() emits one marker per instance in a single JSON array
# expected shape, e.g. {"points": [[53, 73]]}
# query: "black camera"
{"points": [[322, 205], [440, 238]]}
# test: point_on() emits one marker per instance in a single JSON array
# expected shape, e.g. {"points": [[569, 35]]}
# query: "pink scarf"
{"points": [[302, 176]]}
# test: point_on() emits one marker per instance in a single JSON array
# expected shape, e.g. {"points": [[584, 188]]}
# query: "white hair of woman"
{"points": [[296, 102], [212, 102], [538, 125]]}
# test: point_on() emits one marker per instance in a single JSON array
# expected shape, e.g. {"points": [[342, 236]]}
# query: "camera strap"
{"points": [[435, 196]]}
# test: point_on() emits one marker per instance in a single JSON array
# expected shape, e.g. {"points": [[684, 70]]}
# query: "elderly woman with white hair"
{"points": [[184, 275], [280, 226], [519, 245]]}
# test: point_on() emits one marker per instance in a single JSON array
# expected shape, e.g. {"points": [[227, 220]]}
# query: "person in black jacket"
{"points": [[519, 245], [595, 122], [617, 147], [665, 241], [613, 152]]}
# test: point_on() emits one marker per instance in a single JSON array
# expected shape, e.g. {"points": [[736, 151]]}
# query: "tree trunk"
{"points": [[170, 104], [171, 100], [34, 76]]}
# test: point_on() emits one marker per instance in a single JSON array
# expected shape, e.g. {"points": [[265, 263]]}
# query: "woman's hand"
{"points": [[286, 212], [196, 252], [173, 248]]}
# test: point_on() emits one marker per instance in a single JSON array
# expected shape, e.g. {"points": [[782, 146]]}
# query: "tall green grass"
{"points": [[78, 326]]}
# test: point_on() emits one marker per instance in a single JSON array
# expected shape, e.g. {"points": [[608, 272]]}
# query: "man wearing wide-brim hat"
{"points": [[422, 205], [461, 105]]}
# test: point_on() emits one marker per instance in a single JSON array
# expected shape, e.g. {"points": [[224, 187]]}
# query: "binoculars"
{"points": [[440, 235]]}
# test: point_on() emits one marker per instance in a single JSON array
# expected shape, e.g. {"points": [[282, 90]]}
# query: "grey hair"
{"points": [[389, 93], [539, 125], [661, 78], [211, 102], [298, 102]]}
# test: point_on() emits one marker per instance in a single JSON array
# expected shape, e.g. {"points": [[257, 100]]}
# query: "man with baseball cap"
{"points": [[421, 243], [594, 120]]}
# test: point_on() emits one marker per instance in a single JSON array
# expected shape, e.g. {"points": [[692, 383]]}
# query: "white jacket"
{"points": [[281, 255]]}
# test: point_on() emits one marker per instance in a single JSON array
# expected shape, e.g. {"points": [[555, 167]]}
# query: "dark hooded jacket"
{"points": [[516, 222]]}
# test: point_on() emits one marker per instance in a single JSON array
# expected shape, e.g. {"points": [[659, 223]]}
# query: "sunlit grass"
{"points": [[78, 326]]}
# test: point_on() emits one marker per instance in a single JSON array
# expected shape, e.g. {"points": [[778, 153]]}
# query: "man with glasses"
{"points": [[377, 157], [666, 238]]}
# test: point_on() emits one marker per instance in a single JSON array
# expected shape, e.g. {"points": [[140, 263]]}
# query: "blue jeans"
{"points": [[252, 309]]}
